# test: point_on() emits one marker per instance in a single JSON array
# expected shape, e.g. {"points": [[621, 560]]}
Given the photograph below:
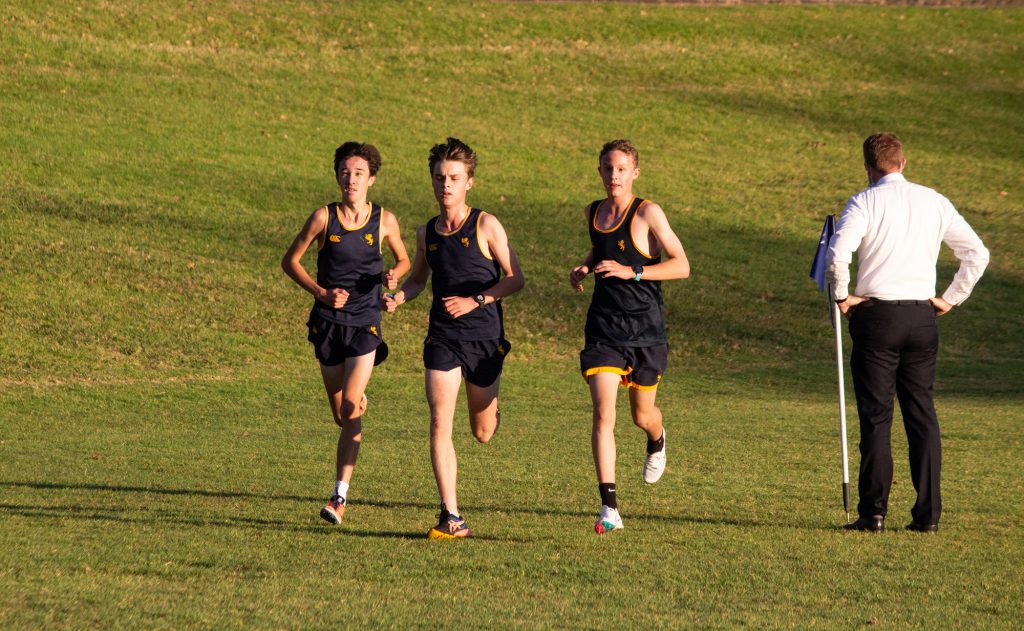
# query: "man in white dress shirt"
{"points": [[896, 228]]}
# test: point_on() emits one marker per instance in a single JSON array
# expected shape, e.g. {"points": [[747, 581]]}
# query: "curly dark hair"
{"points": [[358, 149]]}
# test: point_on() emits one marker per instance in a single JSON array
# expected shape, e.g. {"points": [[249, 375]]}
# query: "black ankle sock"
{"points": [[654, 446], [607, 491]]}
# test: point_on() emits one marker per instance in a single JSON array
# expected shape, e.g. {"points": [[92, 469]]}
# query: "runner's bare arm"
{"points": [[578, 273], [392, 235], [417, 279], [291, 263]]}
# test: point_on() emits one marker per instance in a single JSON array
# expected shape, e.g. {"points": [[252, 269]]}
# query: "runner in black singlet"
{"points": [[344, 323], [623, 312], [473, 268], [625, 341]]}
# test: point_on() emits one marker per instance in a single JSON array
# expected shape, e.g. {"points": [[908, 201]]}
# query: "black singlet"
{"points": [[351, 260], [623, 312], [460, 268]]}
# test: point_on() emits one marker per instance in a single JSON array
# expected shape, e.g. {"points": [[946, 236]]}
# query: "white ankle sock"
{"points": [[341, 489]]}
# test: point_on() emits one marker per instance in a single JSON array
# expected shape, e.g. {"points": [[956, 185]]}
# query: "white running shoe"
{"points": [[654, 464], [608, 521]]}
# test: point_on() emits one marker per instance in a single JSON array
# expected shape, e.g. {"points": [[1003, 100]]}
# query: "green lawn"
{"points": [[165, 445]]}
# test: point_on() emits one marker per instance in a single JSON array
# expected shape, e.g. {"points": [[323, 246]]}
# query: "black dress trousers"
{"points": [[895, 347]]}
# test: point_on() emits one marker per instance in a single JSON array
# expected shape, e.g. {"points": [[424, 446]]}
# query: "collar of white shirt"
{"points": [[890, 178]]}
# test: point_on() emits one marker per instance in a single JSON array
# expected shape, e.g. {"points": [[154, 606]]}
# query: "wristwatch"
{"points": [[480, 299], [639, 271]]}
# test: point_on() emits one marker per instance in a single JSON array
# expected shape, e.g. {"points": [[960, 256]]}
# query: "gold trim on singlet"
{"points": [[489, 257], [322, 241], [631, 239], [380, 231], [469, 211], [621, 219], [337, 210]]}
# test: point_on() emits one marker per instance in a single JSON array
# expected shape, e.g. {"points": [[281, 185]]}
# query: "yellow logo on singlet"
{"points": [[622, 245], [432, 247], [464, 241], [373, 330], [368, 237], [334, 238]]}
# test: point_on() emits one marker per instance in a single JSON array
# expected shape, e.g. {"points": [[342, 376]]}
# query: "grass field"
{"points": [[165, 445]]}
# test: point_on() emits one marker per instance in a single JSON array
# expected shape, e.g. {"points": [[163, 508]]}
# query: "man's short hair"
{"points": [[453, 150], [883, 152], [622, 145], [359, 150]]}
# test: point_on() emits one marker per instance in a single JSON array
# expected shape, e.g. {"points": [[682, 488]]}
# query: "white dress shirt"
{"points": [[896, 228]]}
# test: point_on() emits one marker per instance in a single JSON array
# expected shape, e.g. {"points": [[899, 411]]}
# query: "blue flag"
{"points": [[818, 267]]}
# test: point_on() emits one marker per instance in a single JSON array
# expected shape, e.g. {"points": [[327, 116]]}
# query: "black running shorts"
{"points": [[640, 367], [333, 343], [481, 360]]}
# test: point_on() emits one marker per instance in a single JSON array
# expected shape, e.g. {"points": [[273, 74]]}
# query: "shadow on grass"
{"points": [[81, 486], [377, 534], [78, 511], [792, 523], [116, 515], [71, 511]]}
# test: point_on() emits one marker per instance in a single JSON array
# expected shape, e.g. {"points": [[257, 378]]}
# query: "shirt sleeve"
{"points": [[972, 254], [850, 231]]}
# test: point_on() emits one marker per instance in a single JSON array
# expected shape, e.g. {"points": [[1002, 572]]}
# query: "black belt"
{"points": [[916, 303]]}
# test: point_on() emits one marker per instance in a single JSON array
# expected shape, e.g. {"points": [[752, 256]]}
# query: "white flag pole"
{"points": [[837, 327]]}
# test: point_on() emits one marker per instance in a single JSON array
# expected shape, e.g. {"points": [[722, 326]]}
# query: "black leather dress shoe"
{"points": [[875, 523], [918, 527]]}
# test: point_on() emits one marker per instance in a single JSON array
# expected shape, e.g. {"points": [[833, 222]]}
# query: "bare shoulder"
{"points": [[652, 214], [318, 218], [489, 224], [388, 217], [648, 207]]}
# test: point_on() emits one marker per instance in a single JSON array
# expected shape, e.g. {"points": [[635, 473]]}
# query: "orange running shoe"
{"points": [[334, 510], [449, 527]]}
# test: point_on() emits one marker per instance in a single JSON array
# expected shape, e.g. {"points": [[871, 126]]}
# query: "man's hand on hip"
{"points": [[940, 305], [850, 302]]}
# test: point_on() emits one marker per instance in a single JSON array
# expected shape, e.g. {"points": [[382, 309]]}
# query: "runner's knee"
{"points": [[483, 434], [604, 416], [349, 411], [644, 417], [484, 427], [440, 426]]}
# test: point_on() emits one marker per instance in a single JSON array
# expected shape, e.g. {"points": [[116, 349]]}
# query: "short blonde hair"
{"points": [[622, 145]]}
